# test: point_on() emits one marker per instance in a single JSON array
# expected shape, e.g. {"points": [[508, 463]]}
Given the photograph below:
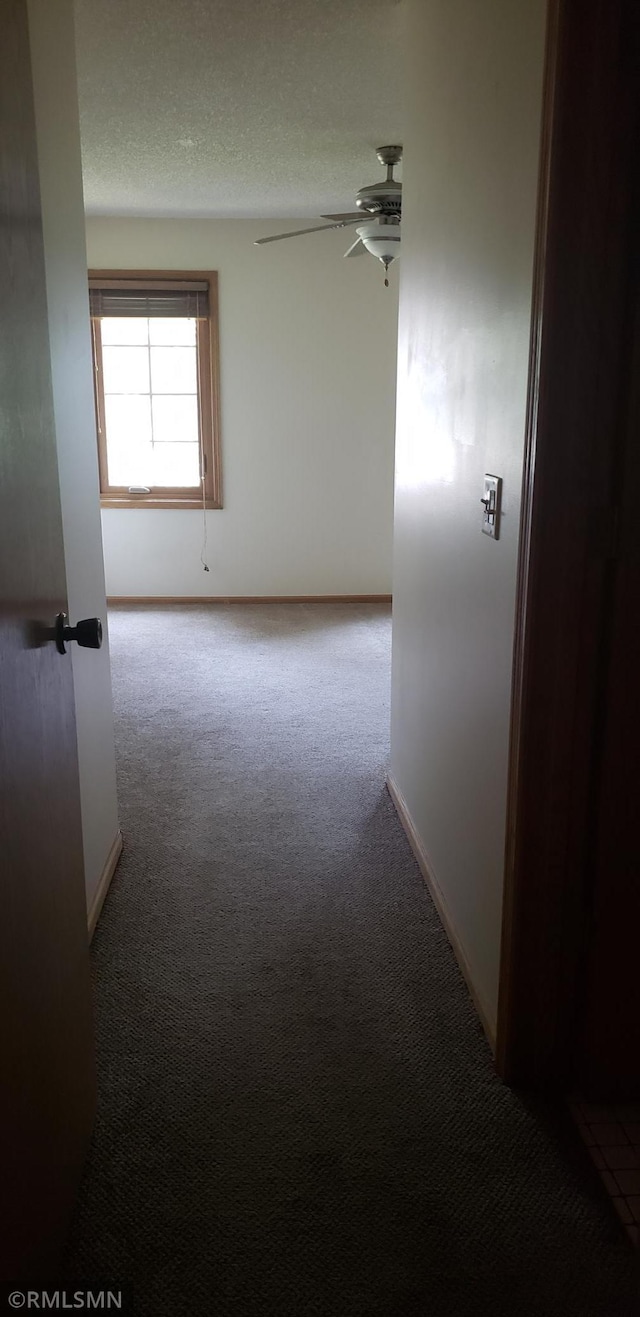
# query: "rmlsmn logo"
{"points": [[62, 1299]]}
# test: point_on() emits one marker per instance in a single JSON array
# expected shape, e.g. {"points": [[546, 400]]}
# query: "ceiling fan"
{"points": [[380, 205]]}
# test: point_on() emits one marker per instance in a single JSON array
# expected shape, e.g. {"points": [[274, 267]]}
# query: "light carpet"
{"points": [[298, 1110]]}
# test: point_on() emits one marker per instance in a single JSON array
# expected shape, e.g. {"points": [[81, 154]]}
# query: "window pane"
{"points": [[176, 464], [173, 370], [172, 331], [124, 331], [126, 370], [175, 418], [127, 465], [129, 450], [128, 418]]}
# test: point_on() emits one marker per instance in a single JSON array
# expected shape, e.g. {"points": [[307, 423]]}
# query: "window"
{"points": [[155, 342]]}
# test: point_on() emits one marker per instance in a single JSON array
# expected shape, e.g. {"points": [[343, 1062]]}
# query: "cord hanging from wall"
{"points": [[203, 551]]}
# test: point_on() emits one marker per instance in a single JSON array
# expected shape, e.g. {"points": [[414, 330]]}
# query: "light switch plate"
{"points": [[491, 500]]}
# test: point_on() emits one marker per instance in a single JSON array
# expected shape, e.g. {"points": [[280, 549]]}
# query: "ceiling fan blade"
{"points": [[277, 237], [349, 215], [356, 249]]}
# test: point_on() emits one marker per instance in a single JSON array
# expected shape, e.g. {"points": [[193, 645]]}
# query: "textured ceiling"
{"points": [[235, 108]]}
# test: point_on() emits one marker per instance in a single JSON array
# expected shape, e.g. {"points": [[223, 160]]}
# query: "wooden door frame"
{"points": [[578, 377]]}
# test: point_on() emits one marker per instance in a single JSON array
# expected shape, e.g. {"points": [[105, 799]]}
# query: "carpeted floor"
{"points": [[298, 1112]]}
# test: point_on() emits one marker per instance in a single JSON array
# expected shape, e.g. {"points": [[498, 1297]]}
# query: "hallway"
{"points": [[298, 1110]]}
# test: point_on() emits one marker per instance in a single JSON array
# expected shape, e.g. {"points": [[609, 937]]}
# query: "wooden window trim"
{"points": [[208, 345]]}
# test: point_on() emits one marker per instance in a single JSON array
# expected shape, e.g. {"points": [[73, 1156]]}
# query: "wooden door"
{"points": [[608, 1042], [586, 256], [46, 1040]]}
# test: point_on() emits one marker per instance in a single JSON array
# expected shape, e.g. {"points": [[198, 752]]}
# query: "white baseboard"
{"points": [[117, 600], [100, 893], [426, 869]]}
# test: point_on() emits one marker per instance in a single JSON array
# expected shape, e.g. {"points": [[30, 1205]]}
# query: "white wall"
{"points": [[54, 78], [471, 157], [308, 356]]}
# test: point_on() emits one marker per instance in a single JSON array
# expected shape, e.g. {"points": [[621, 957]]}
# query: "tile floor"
{"points": [[612, 1138]]}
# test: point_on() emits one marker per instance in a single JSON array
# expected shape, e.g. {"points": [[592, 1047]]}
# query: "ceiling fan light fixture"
{"points": [[381, 238], [382, 202]]}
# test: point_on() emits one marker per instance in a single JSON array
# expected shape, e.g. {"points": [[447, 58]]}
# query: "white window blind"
{"points": [[146, 298]]}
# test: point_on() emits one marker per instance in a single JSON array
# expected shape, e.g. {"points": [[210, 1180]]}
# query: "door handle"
{"points": [[87, 633]]}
